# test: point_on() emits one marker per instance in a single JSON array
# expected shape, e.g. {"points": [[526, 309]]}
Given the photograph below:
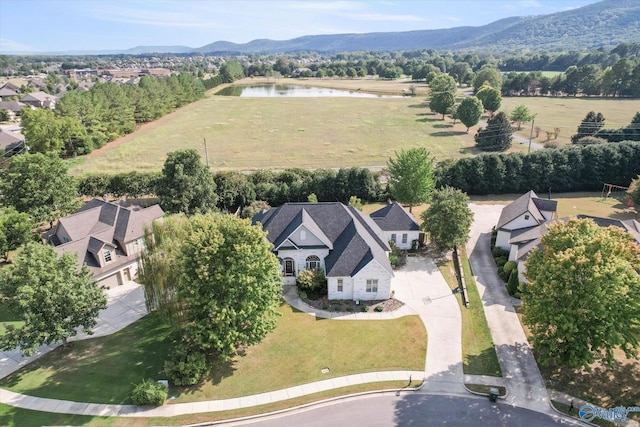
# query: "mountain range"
{"points": [[604, 24]]}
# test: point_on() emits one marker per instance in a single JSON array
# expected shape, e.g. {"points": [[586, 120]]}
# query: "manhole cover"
{"points": [[426, 300]]}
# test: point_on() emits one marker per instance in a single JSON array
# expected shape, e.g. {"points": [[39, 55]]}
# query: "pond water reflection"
{"points": [[271, 91]]}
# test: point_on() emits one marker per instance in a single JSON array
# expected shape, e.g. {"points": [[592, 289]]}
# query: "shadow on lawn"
{"points": [[609, 387], [485, 363], [447, 133]]}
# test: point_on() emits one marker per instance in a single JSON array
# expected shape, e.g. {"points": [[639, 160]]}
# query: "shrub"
{"points": [[349, 309], [186, 366], [325, 306], [379, 308], [513, 284], [499, 252], [590, 140], [302, 294], [149, 393], [311, 280], [364, 308], [501, 261], [394, 260], [510, 265]]}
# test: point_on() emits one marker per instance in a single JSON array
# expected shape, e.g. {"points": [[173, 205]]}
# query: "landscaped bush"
{"points": [[514, 284], [394, 260], [302, 294], [379, 308], [499, 252], [149, 393], [186, 366], [509, 266], [365, 308], [311, 280]]}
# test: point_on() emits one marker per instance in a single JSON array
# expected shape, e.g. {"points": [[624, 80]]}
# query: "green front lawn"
{"points": [[478, 352], [8, 318], [102, 370]]}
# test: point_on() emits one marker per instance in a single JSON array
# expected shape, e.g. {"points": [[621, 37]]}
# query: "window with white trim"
{"points": [[372, 285], [393, 237], [107, 255], [313, 262], [340, 285], [404, 238]]}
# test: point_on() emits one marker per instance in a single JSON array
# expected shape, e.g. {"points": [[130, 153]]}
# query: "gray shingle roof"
{"points": [[354, 239], [100, 223], [528, 202], [394, 217]]}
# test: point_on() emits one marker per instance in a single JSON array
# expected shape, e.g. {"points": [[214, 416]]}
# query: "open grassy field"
{"points": [[102, 370], [567, 113]]}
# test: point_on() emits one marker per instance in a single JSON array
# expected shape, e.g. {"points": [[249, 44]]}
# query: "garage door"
{"points": [[111, 281]]}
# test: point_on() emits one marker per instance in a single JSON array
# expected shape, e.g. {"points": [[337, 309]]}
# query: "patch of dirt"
{"points": [[350, 306]]}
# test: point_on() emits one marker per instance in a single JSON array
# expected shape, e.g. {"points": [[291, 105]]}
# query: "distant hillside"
{"points": [[138, 50], [603, 24]]}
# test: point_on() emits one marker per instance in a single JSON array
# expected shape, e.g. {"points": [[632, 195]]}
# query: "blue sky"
{"points": [[62, 25]]}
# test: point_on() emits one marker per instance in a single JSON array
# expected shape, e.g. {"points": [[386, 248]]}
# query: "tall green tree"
{"points": [[520, 115], [497, 135], [470, 111], [40, 186], [15, 230], [448, 219], [487, 74], [186, 184], [411, 176], [232, 71], [41, 130], [443, 89], [581, 301], [52, 298], [490, 98]]}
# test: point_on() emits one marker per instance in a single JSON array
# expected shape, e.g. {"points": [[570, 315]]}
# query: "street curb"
{"points": [[478, 393], [570, 416], [396, 391]]}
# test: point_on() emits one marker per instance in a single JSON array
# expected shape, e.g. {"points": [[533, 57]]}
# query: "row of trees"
{"points": [[83, 121], [592, 129], [620, 80]]}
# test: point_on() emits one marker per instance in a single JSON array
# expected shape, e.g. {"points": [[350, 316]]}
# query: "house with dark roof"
{"points": [[347, 245], [522, 240], [106, 237], [525, 212], [13, 107], [398, 225], [6, 94], [11, 143], [40, 100]]}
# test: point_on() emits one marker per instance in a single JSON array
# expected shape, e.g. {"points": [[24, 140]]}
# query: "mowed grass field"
{"points": [[277, 133], [567, 113]]}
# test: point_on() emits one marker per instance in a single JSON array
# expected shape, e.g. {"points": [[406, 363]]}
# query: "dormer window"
{"points": [[107, 255]]}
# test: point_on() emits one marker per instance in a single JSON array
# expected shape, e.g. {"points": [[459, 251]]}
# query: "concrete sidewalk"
{"points": [[523, 380], [125, 305]]}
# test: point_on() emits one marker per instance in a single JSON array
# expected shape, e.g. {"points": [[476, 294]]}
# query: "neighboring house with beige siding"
{"points": [[106, 237]]}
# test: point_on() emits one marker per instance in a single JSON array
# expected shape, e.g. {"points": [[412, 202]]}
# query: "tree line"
{"points": [[83, 121]]}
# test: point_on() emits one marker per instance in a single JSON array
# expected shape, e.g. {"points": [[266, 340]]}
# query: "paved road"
{"points": [[413, 410]]}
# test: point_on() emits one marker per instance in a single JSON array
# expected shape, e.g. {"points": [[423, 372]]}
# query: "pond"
{"points": [[271, 91]]}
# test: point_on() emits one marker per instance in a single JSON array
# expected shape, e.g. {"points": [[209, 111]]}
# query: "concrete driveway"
{"points": [[420, 286], [519, 368], [125, 305]]}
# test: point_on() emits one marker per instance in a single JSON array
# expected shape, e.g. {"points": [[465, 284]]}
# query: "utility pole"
{"points": [[530, 135], [206, 154]]}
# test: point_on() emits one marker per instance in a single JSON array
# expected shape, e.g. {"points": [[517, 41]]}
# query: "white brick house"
{"points": [[347, 245]]}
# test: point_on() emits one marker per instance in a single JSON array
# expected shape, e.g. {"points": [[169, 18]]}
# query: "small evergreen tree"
{"points": [[497, 135], [591, 124]]}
